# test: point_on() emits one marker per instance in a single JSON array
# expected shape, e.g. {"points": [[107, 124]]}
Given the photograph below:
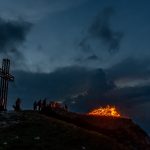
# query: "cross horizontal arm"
{"points": [[6, 75]]}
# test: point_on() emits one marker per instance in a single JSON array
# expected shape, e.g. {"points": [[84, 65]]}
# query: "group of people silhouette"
{"points": [[41, 105]]}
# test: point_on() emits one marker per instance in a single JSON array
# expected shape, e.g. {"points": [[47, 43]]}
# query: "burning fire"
{"points": [[105, 111]]}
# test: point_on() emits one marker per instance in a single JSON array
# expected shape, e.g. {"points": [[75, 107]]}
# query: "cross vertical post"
{"points": [[5, 78]]}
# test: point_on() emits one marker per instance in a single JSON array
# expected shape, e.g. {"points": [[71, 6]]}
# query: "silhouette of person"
{"points": [[17, 105], [39, 104], [35, 105], [44, 103], [66, 107]]}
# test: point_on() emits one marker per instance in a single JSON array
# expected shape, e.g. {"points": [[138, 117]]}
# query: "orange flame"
{"points": [[105, 111]]}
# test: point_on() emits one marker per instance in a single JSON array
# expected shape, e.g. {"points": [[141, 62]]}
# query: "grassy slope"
{"points": [[54, 135]]}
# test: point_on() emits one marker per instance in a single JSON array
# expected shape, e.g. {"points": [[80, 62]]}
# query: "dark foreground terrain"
{"points": [[33, 131]]}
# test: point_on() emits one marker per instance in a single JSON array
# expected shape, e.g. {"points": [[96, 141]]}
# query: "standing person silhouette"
{"points": [[17, 105], [39, 104], [35, 106], [44, 104], [66, 107]]}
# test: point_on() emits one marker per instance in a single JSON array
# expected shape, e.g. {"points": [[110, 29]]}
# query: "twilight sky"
{"points": [[86, 53]]}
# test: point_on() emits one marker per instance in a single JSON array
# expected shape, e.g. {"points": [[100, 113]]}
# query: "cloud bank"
{"points": [[102, 32], [35, 10]]}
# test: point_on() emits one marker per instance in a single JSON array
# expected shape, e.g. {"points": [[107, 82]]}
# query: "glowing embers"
{"points": [[105, 111]]}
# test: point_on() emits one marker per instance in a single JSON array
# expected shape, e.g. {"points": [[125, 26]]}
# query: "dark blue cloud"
{"points": [[130, 68], [101, 31], [12, 35], [60, 84]]}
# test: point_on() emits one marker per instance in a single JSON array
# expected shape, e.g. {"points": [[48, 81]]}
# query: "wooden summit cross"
{"points": [[5, 78]]}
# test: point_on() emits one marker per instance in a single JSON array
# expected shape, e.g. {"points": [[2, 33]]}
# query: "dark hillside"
{"points": [[30, 130], [123, 130], [33, 131]]}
